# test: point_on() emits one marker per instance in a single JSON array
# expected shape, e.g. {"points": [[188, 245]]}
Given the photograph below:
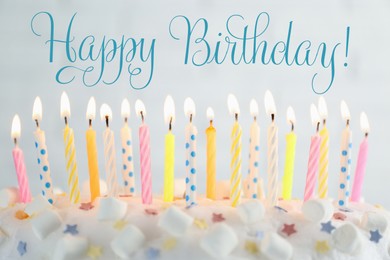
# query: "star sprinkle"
{"points": [[71, 229], [20, 214], [120, 224], [289, 229], [251, 247], [375, 236], [152, 212], [327, 227], [280, 209], [200, 223], [22, 248], [322, 246], [152, 253], [86, 206], [218, 218], [339, 216], [345, 209], [94, 252], [169, 243]]}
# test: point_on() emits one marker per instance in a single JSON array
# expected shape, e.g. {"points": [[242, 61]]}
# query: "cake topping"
{"points": [[128, 241], [327, 227], [347, 239], [45, 223], [322, 246], [375, 236], [251, 211], [289, 229], [317, 210], [70, 247], [111, 209], [71, 229], [275, 247], [219, 241], [217, 217], [22, 248], [175, 222]]}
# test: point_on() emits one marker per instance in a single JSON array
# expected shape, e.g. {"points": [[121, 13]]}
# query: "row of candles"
{"points": [[317, 162]]}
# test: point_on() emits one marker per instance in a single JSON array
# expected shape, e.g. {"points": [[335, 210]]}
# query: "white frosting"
{"points": [[70, 247], [275, 247]]}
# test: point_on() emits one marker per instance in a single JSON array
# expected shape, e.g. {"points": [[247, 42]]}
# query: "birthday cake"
{"points": [[124, 228]]}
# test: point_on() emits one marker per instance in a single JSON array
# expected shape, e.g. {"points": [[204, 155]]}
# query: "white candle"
{"points": [[254, 152]]}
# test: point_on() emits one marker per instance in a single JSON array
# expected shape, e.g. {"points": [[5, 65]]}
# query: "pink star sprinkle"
{"points": [[86, 206], [152, 212], [289, 229], [218, 218], [339, 216]]}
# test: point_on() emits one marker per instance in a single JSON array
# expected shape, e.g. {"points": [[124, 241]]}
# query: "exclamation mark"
{"points": [[346, 47]]}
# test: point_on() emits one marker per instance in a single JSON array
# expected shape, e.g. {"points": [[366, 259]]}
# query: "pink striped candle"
{"points": [[20, 167], [314, 154], [361, 161], [144, 144]]}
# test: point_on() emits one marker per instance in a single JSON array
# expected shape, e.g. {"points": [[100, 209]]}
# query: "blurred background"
{"points": [[26, 73]]}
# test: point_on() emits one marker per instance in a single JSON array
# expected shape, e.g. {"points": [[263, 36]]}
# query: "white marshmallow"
{"points": [[38, 204], [111, 209], [318, 210], [127, 242], [220, 241], [8, 196], [347, 239], [70, 247], [222, 189], [175, 222], [276, 247], [45, 223], [374, 221], [179, 188], [251, 211]]}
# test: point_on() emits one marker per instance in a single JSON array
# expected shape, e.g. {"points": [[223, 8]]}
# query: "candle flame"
{"points": [[169, 110], [322, 108], [91, 109], [65, 106], [15, 129], [315, 117], [364, 125], [140, 107], [125, 108], [210, 113], [234, 108], [345, 111], [37, 109], [105, 111], [189, 107], [269, 103], [291, 115], [253, 108]]}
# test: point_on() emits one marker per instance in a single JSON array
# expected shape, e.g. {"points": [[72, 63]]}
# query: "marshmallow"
{"points": [[70, 247], [222, 190], [45, 223], [37, 205], [179, 188], [317, 210], [251, 211], [347, 239], [127, 242], [111, 209], [276, 247], [374, 221], [175, 222], [220, 241], [8, 196]]}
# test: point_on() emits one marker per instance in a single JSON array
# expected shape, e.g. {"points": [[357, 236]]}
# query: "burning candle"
{"points": [[254, 152], [43, 160], [109, 152], [190, 134], [291, 140], [235, 151], [93, 167], [127, 151], [169, 165], [70, 152], [362, 160], [144, 144], [20, 167], [312, 167], [211, 152], [345, 159], [324, 151], [272, 150]]}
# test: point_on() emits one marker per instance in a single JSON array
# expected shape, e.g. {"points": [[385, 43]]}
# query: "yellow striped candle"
{"points": [[169, 163], [211, 145], [324, 151], [291, 140]]}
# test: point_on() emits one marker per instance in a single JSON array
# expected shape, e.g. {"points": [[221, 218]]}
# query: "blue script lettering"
{"points": [[247, 46], [91, 56]]}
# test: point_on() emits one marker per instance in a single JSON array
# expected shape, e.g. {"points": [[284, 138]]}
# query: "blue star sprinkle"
{"points": [[375, 236], [281, 209], [71, 229], [22, 248], [152, 253], [327, 227]]}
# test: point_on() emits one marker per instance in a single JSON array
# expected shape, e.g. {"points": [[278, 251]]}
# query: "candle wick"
{"points": [[190, 118], [142, 116], [126, 120], [170, 124], [273, 117], [366, 134], [90, 122], [107, 124], [211, 122], [292, 127], [66, 120], [318, 126], [347, 122], [324, 122], [236, 116], [37, 123], [15, 141], [254, 118]]}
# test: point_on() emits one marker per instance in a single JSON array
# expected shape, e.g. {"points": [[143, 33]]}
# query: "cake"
{"points": [[124, 228]]}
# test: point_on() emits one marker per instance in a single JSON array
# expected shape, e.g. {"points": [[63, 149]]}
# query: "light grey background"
{"points": [[26, 73]]}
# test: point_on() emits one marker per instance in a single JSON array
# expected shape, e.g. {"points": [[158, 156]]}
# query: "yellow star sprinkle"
{"points": [[169, 244], [251, 247], [94, 252], [322, 246], [200, 223], [120, 224]]}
